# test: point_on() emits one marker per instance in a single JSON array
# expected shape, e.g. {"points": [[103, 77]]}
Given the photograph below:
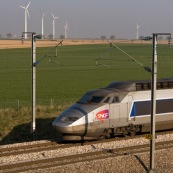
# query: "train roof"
{"points": [[139, 85]]}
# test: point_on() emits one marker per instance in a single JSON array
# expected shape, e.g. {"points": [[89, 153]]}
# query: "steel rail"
{"points": [[90, 156]]}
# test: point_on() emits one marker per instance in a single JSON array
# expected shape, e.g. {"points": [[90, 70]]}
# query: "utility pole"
{"points": [[153, 98]]}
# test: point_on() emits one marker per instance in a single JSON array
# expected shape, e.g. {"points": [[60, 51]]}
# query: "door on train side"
{"points": [[114, 111]]}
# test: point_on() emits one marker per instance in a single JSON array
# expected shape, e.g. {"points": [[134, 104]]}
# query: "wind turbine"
{"points": [[42, 25], [54, 18], [137, 31], [66, 29], [26, 13]]}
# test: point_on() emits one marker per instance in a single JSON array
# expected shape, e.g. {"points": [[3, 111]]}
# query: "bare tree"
{"points": [[103, 37], [50, 36], [168, 38], [160, 38], [9, 35], [141, 37], [112, 37], [62, 36]]}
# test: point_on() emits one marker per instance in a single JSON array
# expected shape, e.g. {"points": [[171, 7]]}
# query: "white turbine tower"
{"points": [[54, 18], [137, 31], [42, 25], [26, 13], [66, 29]]}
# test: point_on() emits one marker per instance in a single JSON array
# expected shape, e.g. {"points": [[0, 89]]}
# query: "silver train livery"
{"points": [[120, 108]]}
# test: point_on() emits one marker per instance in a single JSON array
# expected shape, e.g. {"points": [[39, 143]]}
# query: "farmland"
{"points": [[73, 71], [64, 77]]}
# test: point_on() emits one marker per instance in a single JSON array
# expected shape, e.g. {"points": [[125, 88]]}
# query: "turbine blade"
{"points": [[28, 5], [22, 7], [52, 15]]}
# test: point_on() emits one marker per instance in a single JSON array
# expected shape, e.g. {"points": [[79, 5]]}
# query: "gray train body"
{"points": [[119, 108]]}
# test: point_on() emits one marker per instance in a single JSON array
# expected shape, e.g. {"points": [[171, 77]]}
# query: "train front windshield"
{"points": [[90, 99]]}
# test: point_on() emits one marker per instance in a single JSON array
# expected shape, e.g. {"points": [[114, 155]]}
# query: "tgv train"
{"points": [[120, 108]]}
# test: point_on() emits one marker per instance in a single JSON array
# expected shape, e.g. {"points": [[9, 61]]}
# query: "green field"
{"points": [[64, 78], [74, 70]]}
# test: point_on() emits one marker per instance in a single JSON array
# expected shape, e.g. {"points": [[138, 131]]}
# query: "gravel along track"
{"points": [[95, 157], [44, 146], [31, 147]]}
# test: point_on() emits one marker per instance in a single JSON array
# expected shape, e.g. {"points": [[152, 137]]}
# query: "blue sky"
{"points": [[89, 18]]}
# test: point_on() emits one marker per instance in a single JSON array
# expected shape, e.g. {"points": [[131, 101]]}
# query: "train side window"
{"points": [[107, 100], [115, 99]]}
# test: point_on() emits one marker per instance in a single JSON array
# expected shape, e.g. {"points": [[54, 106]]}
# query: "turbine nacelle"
{"points": [[43, 15], [137, 26], [26, 8], [66, 27], [54, 16], [26, 14]]}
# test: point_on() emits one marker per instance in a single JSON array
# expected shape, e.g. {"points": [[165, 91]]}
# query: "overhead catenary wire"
{"points": [[38, 61], [104, 58], [145, 67]]}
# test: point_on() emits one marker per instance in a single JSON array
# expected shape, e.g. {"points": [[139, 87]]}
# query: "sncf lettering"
{"points": [[102, 115]]}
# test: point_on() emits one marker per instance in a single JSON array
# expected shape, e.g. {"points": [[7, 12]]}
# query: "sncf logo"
{"points": [[102, 115]]}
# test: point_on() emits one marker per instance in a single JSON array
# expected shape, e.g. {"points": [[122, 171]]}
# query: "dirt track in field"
{"points": [[8, 44]]}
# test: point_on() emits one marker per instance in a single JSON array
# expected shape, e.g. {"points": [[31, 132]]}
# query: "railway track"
{"points": [[57, 160], [17, 150], [89, 156], [52, 146]]}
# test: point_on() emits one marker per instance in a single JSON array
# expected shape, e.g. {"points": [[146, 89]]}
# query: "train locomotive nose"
{"points": [[64, 122], [75, 122], [64, 128]]}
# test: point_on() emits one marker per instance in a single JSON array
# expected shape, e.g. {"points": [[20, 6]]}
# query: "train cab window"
{"points": [[107, 100], [84, 99], [115, 99], [90, 99], [95, 99]]}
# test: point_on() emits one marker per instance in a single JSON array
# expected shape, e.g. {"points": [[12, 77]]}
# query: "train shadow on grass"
{"points": [[22, 133]]}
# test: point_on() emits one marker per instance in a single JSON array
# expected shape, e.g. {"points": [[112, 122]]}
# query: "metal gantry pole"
{"points": [[33, 74], [33, 80], [153, 101], [153, 98]]}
